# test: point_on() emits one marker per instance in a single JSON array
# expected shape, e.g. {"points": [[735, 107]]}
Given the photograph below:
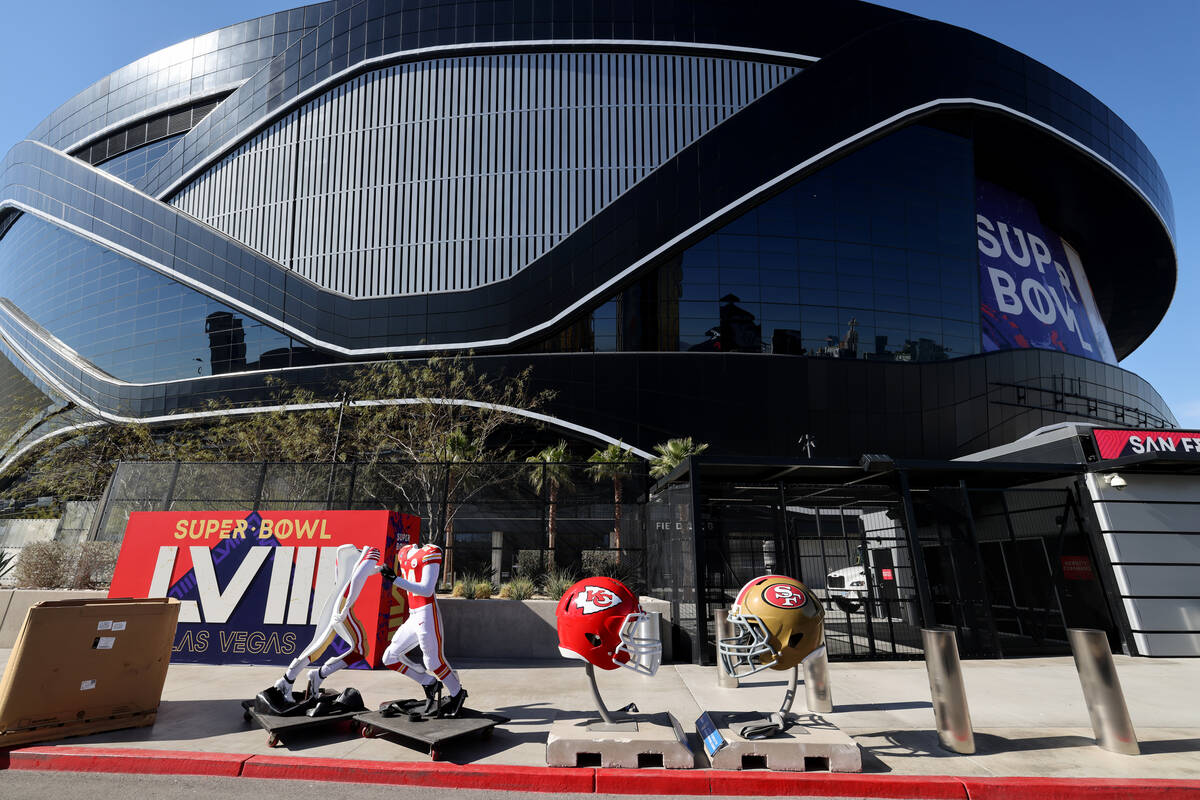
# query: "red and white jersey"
{"points": [[412, 561]]}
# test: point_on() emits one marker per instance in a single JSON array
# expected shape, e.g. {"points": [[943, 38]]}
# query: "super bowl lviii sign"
{"points": [[1033, 290], [251, 583]]}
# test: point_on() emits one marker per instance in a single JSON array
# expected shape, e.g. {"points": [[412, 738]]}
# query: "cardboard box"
{"points": [[85, 666]]}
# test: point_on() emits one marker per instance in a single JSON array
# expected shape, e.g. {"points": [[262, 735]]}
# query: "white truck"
{"points": [[847, 588]]}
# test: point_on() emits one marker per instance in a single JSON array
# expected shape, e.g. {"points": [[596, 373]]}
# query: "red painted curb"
{"points": [[408, 773], [586, 781], [1080, 789], [838, 784], [66, 758], [652, 781]]}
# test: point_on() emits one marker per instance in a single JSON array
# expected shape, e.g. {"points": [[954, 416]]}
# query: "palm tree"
{"points": [[551, 473], [672, 453], [613, 462]]}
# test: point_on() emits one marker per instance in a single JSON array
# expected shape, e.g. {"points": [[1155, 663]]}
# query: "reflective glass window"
{"points": [[872, 257], [128, 320], [133, 165]]}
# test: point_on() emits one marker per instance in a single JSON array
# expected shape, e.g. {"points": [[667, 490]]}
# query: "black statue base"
{"points": [[278, 717], [403, 722]]}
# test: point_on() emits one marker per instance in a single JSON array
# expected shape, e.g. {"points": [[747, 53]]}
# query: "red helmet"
{"points": [[601, 622]]}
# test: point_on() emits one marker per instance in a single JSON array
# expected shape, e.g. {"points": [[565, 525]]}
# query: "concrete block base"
{"points": [[811, 744], [654, 740]]}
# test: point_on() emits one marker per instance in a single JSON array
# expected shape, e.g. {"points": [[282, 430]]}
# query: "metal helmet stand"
{"points": [[610, 722]]}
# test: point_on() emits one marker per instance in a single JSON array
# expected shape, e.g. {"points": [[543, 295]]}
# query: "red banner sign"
{"points": [[252, 583], [886, 574], [1077, 568], [1118, 443]]}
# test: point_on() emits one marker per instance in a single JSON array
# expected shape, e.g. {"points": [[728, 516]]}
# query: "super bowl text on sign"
{"points": [[1120, 443], [251, 583], [1033, 291]]}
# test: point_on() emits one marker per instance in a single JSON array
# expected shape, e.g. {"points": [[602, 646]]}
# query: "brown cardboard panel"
{"points": [[78, 662]]}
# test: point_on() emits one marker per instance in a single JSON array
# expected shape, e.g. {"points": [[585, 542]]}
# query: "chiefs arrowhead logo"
{"points": [[593, 598], [782, 595]]}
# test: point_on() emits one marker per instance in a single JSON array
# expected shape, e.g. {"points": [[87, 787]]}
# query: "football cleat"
{"points": [[284, 686], [433, 697], [454, 706], [314, 682]]}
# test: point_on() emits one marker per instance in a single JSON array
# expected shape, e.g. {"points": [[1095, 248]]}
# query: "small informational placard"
{"points": [[118, 626], [86, 685], [709, 735], [104, 643], [104, 625]]}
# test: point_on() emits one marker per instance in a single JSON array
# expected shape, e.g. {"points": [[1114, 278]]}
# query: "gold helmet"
{"points": [[776, 622]]}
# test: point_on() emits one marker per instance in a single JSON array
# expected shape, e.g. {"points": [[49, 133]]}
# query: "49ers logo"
{"points": [[782, 595], [594, 598]]}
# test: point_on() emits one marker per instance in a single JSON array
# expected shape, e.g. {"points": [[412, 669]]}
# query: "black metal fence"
{"points": [[847, 544], [485, 515], [887, 551]]}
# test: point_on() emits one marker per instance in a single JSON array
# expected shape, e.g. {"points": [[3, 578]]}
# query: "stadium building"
{"points": [[769, 227]]}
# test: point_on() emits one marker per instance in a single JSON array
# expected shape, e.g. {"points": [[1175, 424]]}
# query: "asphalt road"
{"points": [[29, 785]]}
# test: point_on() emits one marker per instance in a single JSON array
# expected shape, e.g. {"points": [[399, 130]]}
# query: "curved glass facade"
{"points": [[476, 167], [873, 257], [774, 215], [133, 165], [127, 320]]}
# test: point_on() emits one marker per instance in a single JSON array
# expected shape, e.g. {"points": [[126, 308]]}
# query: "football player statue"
{"points": [[601, 623], [777, 623], [352, 568], [417, 570]]}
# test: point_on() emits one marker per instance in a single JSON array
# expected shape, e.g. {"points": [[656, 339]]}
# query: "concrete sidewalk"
{"points": [[1029, 714]]}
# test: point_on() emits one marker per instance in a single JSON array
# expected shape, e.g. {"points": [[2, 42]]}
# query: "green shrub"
{"points": [[557, 582], [459, 590], [530, 564], [604, 564], [600, 563], [8, 561], [518, 589], [483, 590]]}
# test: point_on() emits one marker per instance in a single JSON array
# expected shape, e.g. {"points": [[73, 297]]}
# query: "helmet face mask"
{"points": [[776, 622], [749, 649], [642, 644], [600, 622]]}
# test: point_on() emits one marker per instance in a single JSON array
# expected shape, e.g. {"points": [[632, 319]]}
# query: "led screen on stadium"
{"points": [[1032, 288], [252, 583]]}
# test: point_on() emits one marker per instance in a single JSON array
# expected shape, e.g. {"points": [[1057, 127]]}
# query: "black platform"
{"points": [[427, 734], [278, 726]]}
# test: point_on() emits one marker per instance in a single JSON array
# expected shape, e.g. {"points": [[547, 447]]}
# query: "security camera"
{"points": [[1115, 481]]}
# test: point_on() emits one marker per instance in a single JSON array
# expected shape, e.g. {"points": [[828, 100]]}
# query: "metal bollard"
{"points": [[946, 688], [1102, 691], [816, 682], [721, 618]]}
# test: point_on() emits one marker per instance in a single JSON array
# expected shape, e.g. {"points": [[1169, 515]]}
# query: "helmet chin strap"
{"points": [[778, 722]]}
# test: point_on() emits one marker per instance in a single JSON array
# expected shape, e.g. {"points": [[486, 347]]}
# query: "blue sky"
{"points": [[1140, 59]]}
